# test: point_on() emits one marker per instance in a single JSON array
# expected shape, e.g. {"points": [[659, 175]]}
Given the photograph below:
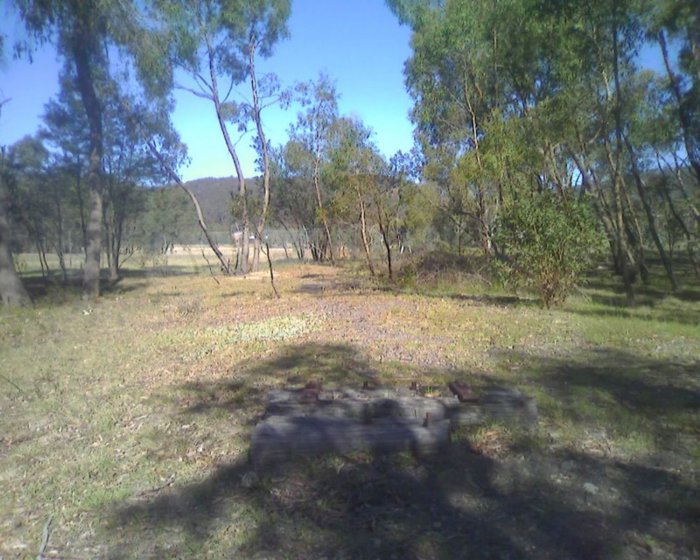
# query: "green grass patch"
{"points": [[129, 420]]}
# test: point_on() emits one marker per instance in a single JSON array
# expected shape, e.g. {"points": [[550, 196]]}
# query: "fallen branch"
{"points": [[272, 274], [45, 539], [211, 270], [150, 491], [12, 383]]}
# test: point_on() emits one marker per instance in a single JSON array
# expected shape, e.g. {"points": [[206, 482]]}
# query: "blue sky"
{"points": [[358, 43]]}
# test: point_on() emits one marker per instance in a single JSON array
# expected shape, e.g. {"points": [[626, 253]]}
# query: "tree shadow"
{"points": [[682, 317], [374, 506], [243, 390], [498, 301], [650, 294], [161, 271], [54, 289], [532, 502], [619, 389]]}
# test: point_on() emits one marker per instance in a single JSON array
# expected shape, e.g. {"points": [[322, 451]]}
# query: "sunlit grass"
{"points": [[158, 384]]}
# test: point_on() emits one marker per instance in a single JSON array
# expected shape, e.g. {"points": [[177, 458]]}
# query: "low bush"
{"points": [[546, 241]]}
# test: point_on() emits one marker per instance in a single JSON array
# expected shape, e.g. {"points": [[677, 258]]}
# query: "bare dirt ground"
{"points": [[129, 426]]}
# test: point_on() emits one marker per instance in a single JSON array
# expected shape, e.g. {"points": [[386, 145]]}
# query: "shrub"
{"points": [[546, 241]]}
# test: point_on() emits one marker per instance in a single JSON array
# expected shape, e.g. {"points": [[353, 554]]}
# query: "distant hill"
{"points": [[214, 195]]}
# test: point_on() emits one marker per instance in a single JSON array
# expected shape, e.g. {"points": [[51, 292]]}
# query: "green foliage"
{"points": [[518, 97], [547, 241], [167, 219]]}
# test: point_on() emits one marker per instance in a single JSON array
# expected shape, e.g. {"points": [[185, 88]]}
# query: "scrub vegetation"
{"points": [[542, 235]]}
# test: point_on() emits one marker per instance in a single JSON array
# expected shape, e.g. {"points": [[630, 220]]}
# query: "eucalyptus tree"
{"points": [[293, 203], [12, 291], [356, 168], [389, 202], [126, 165], [83, 33], [679, 21], [217, 43], [408, 207], [163, 143], [515, 97], [313, 131], [468, 73], [65, 132], [129, 168], [678, 158], [30, 196]]}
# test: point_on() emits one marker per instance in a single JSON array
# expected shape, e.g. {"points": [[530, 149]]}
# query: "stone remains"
{"points": [[313, 421]]}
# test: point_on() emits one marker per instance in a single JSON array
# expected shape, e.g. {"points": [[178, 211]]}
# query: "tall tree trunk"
{"points": [[243, 256], [264, 152], [683, 118], [119, 233], [634, 233], [600, 204], [110, 238], [39, 254], [624, 254], [677, 217], [110, 226], [243, 261], [114, 260], [321, 210], [484, 230], [81, 208], [256, 254], [60, 243], [12, 291], [93, 110], [363, 230], [651, 221], [610, 213], [387, 246], [459, 235]]}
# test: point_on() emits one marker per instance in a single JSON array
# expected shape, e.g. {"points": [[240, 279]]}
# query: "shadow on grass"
{"points": [[296, 365], [162, 271], [499, 301], [53, 287], [650, 294], [663, 311], [533, 502], [620, 391]]}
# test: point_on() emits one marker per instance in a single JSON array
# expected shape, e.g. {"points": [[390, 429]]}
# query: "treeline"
{"points": [[45, 195], [120, 62], [334, 192], [528, 104], [540, 140], [46, 192]]}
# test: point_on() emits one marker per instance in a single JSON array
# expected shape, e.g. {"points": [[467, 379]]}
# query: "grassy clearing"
{"points": [[127, 421]]}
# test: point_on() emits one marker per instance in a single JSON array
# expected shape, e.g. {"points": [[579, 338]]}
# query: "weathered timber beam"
{"points": [[279, 437]]}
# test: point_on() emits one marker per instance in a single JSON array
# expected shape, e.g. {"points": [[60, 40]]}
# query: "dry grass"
{"points": [[127, 422]]}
